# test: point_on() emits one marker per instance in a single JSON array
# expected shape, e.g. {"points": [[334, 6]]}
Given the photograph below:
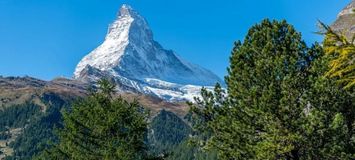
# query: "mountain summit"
{"points": [[131, 57]]}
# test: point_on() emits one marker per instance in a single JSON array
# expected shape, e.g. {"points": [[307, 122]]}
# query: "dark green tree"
{"points": [[278, 103], [262, 113], [101, 127]]}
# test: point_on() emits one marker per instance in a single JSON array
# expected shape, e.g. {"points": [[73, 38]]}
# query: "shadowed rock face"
{"points": [[345, 22]]}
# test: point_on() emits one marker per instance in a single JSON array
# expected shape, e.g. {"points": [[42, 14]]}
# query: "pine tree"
{"points": [[342, 53], [101, 127], [261, 115], [328, 132], [279, 104]]}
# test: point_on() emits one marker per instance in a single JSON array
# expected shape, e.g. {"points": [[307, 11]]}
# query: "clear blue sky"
{"points": [[47, 38]]}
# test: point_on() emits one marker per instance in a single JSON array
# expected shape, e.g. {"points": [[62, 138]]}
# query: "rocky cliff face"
{"points": [[130, 57], [345, 22]]}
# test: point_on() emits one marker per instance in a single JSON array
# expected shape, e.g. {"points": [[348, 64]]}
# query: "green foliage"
{"points": [[278, 103], [38, 130], [170, 130], [100, 127], [167, 131], [186, 151], [262, 111], [168, 137], [342, 53], [17, 116], [328, 130]]}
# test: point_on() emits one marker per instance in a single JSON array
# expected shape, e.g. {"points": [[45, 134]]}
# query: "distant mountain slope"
{"points": [[166, 131], [345, 22], [19, 90], [130, 56], [30, 109]]}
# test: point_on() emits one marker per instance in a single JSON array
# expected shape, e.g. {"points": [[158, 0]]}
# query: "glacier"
{"points": [[131, 58]]}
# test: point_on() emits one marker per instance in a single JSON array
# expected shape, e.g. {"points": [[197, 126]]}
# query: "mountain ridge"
{"points": [[19, 90]]}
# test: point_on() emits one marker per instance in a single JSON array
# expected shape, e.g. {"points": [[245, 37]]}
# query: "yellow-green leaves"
{"points": [[342, 54]]}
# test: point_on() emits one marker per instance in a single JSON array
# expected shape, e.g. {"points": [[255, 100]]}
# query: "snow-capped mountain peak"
{"points": [[126, 10], [129, 27], [130, 52], [131, 20]]}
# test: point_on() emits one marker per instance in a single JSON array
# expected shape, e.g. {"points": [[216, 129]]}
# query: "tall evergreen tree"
{"points": [[101, 127], [260, 117], [278, 104]]}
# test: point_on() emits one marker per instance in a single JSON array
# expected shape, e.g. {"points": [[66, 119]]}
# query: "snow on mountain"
{"points": [[130, 56]]}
